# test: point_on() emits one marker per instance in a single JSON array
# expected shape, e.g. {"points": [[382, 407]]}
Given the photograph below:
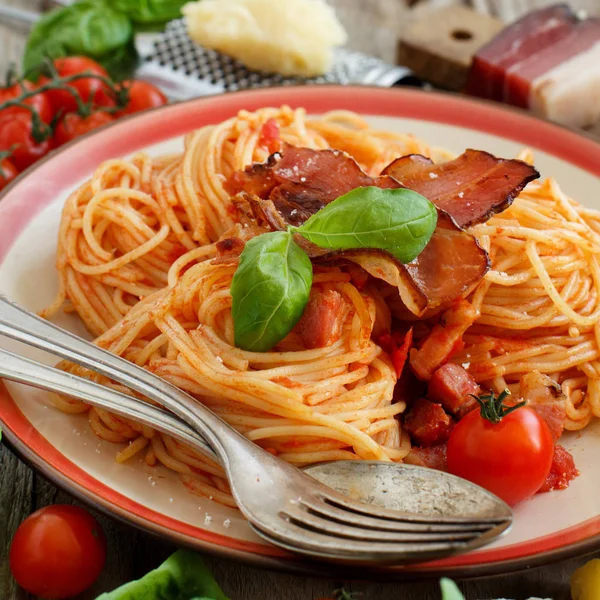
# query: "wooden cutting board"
{"points": [[439, 43]]}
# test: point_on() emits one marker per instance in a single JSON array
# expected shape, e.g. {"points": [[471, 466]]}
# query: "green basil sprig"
{"points": [[272, 283], [183, 576], [399, 221], [269, 290], [149, 12], [88, 28]]}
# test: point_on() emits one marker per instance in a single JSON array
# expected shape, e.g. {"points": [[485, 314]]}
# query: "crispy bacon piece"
{"points": [[229, 249], [428, 423], [434, 457], [546, 397], [292, 186], [471, 188], [451, 385], [301, 181], [323, 318], [562, 471], [443, 340]]}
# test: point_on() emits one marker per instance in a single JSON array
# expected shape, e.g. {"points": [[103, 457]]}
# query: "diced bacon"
{"points": [[323, 319], [452, 386], [428, 423], [546, 397], [438, 346], [433, 458], [269, 137], [554, 416], [229, 249], [522, 40], [562, 471]]}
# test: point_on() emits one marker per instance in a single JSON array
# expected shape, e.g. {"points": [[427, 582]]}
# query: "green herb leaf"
{"points": [[149, 12], [183, 575], [450, 590], [88, 27], [399, 221], [269, 290]]}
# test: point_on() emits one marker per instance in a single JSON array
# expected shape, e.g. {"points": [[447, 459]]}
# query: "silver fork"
{"points": [[283, 504]]}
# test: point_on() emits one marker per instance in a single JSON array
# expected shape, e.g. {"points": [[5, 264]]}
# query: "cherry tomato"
{"points": [[511, 458], [74, 125], [142, 96], [40, 102], [16, 136], [57, 552], [88, 87], [8, 172]]}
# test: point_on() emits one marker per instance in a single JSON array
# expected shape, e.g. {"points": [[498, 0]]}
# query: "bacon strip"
{"points": [[292, 186], [471, 188]]}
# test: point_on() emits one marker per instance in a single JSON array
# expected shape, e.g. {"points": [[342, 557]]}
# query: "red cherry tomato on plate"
{"points": [[74, 125], [88, 87], [8, 172], [40, 102], [511, 458], [57, 552], [142, 96], [16, 136]]}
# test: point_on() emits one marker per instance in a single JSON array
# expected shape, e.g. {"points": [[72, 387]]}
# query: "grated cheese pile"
{"points": [[291, 37]]}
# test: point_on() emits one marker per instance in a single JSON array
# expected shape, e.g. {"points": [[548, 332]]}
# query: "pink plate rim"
{"points": [[39, 186]]}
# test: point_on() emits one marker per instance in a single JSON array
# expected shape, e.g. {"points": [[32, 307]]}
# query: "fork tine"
{"points": [[298, 514], [296, 538], [339, 514]]}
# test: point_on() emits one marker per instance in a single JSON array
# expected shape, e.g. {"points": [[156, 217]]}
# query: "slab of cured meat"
{"points": [[548, 62]]}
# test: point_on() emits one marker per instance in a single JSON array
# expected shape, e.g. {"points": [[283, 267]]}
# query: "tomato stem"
{"points": [[40, 131], [4, 154], [493, 408]]}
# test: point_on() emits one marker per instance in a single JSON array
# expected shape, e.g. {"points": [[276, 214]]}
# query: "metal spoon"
{"points": [[439, 514]]}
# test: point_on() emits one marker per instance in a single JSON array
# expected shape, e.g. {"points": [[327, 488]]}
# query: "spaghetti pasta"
{"points": [[136, 261]]}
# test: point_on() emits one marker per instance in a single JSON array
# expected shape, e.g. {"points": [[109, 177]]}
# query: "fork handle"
{"points": [[22, 325], [24, 370]]}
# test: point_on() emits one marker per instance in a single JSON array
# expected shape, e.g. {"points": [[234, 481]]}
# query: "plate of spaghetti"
{"points": [[339, 273]]}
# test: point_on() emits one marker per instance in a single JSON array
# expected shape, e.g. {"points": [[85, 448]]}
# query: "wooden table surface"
{"points": [[373, 26]]}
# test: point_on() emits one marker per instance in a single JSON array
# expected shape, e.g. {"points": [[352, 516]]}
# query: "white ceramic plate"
{"points": [[548, 527]]}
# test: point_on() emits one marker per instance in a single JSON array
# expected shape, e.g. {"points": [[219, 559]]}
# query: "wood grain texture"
{"points": [[373, 27]]}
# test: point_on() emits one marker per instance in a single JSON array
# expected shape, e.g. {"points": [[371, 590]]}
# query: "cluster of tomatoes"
{"points": [[64, 108]]}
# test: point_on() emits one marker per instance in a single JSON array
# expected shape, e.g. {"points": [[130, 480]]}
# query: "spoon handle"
{"points": [[21, 325], [24, 370]]}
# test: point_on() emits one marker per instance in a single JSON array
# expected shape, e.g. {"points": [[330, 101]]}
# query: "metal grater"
{"points": [[183, 69]]}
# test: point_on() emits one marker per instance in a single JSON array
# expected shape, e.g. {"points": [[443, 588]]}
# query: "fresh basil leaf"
{"points": [[269, 290], [122, 63], [399, 221], [88, 28], [149, 12], [182, 576], [450, 590]]}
